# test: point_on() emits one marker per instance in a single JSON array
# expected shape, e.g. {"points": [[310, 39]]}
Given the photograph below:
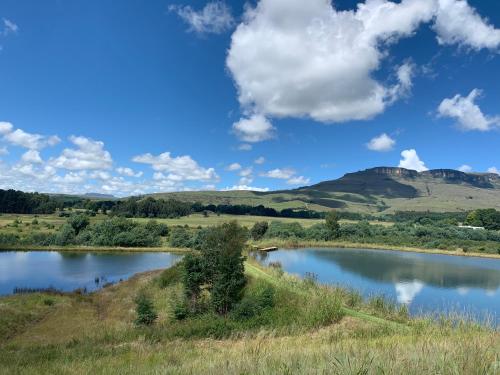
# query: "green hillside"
{"points": [[376, 190]]}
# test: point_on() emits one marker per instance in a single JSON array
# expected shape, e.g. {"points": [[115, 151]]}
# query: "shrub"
{"points": [[259, 229], [78, 222], [180, 237], [278, 229], [146, 314], [170, 276], [158, 229]]}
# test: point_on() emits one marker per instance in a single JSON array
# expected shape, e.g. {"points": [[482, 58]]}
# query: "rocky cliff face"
{"points": [[392, 171]]}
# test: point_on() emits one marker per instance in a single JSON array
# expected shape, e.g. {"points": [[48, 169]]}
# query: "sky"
{"points": [[132, 97]]}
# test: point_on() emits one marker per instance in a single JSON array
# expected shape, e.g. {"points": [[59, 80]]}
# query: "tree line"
{"points": [[18, 202]]}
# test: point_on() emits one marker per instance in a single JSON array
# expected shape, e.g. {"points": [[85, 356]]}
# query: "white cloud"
{"points": [[4, 151], [298, 180], [381, 143], [88, 155], [465, 168], [467, 113], [5, 127], [9, 27], [458, 23], [493, 170], [412, 161], [284, 174], [254, 129], [214, 18], [246, 175], [128, 172], [181, 168], [291, 59], [245, 187], [21, 138], [233, 167], [245, 180], [32, 156], [245, 147], [260, 160], [246, 172]]}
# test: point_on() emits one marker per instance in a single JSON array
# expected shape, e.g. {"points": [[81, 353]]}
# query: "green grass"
{"points": [[198, 220], [310, 329]]}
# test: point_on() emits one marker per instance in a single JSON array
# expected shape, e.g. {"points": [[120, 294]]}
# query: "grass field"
{"points": [[72, 334]]}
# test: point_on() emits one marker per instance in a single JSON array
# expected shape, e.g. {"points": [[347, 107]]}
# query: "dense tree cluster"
{"points": [[18, 202], [150, 207], [110, 232], [488, 219]]}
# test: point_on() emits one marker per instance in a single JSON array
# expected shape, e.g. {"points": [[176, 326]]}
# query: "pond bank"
{"points": [[260, 244], [356, 245]]}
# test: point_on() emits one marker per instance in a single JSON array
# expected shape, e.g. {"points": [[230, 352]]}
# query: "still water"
{"points": [[69, 271], [427, 283]]}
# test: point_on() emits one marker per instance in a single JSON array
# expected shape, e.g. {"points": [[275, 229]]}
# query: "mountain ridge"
{"points": [[374, 190]]}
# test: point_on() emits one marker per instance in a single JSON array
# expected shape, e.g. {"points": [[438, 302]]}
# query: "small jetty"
{"points": [[268, 249]]}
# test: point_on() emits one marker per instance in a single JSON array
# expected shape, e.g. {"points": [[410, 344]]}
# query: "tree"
{"points": [[78, 222], [223, 265], [193, 277], [259, 230], [332, 224]]}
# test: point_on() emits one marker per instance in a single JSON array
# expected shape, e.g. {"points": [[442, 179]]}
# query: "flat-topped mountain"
{"points": [[380, 189]]}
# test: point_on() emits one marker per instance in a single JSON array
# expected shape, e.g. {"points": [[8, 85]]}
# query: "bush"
{"points": [[65, 236], [146, 314], [259, 229], [78, 222], [180, 237], [170, 276], [278, 229], [158, 229]]}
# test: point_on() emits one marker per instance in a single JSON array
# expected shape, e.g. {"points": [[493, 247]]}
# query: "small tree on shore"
{"points": [[193, 277], [219, 267], [224, 265], [332, 224]]}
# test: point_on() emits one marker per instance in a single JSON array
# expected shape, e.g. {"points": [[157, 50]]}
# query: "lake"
{"points": [[427, 283], [68, 271]]}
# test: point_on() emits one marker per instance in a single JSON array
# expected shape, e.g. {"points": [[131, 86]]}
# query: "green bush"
{"points": [[259, 229], [181, 237], [278, 229], [146, 313]]}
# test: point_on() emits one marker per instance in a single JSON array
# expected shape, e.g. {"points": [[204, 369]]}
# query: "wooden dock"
{"points": [[268, 249]]}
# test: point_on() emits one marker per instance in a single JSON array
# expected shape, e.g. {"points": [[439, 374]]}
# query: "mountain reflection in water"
{"points": [[426, 282]]}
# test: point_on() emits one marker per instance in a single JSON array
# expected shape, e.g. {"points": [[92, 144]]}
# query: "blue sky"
{"points": [[132, 97]]}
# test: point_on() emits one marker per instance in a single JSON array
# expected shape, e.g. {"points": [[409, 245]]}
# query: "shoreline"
{"points": [[96, 249], [281, 244]]}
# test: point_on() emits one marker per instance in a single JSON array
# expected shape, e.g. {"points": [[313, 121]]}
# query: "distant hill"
{"points": [[381, 189], [98, 196]]}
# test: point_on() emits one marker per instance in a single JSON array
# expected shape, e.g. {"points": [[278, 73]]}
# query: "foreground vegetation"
{"points": [[303, 328]]}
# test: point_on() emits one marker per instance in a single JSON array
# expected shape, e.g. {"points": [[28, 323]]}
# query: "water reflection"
{"points": [[69, 271], [425, 282], [431, 269], [406, 291]]}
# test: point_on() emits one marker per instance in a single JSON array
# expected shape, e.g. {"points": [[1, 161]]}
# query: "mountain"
{"points": [[375, 190]]}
